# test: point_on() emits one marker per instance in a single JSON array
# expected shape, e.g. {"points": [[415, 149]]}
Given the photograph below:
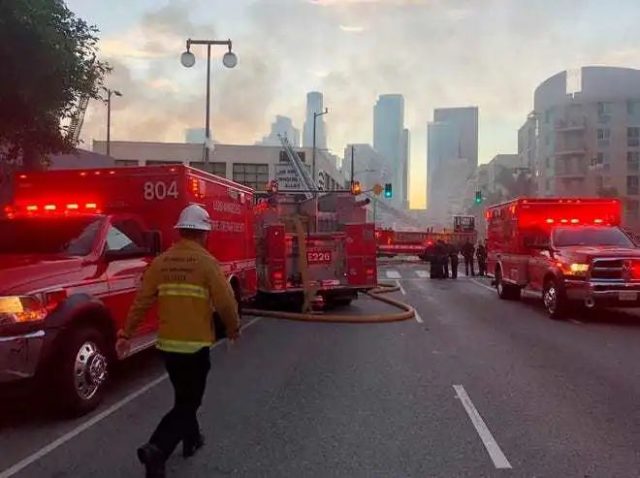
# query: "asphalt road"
{"points": [[473, 387]]}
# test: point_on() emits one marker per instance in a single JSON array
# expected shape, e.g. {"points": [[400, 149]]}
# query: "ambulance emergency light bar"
{"points": [[51, 208], [559, 212]]}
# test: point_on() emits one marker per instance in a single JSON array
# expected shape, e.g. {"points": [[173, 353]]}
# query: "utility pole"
{"points": [[352, 169], [108, 101], [313, 151]]}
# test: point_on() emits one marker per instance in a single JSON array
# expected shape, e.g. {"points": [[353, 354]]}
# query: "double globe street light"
{"points": [[188, 59]]}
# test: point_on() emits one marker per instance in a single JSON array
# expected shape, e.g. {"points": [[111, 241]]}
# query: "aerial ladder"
{"points": [[77, 119], [301, 169]]}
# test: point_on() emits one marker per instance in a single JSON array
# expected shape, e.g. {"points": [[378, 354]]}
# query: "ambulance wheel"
{"points": [[506, 291], [82, 370], [554, 300]]}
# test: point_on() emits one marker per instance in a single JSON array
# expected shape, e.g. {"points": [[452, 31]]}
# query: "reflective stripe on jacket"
{"points": [[189, 286]]}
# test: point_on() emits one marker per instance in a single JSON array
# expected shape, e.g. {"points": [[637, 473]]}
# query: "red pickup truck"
{"points": [[73, 247], [566, 250]]}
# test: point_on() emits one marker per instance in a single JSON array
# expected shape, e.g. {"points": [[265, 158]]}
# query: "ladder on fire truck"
{"points": [[301, 169]]}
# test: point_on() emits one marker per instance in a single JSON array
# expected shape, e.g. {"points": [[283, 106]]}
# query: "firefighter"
{"points": [[453, 256], [467, 252], [189, 286], [439, 260], [481, 254]]}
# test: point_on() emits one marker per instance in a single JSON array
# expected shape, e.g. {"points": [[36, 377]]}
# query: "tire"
{"points": [[506, 291], [82, 371], [554, 300]]}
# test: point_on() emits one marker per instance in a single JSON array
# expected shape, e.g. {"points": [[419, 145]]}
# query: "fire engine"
{"points": [[566, 251], [318, 242], [73, 247], [416, 243]]}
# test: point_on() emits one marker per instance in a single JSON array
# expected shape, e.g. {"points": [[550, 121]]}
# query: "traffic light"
{"points": [[388, 192], [478, 199], [356, 188]]}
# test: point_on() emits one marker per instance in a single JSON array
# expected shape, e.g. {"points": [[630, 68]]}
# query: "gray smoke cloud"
{"points": [[489, 53]]}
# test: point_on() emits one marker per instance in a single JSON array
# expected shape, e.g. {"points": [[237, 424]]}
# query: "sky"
{"points": [[437, 53]]}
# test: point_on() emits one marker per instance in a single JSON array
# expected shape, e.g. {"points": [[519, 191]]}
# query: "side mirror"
{"points": [[153, 240]]}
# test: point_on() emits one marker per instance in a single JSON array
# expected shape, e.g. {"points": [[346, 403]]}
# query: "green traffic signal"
{"points": [[388, 192], [478, 199]]}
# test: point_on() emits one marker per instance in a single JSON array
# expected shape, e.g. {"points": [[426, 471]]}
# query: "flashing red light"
{"points": [[575, 221], [83, 173], [277, 275], [564, 221], [173, 170], [112, 172], [97, 173], [550, 221], [598, 221], [50, 207], [23, 176], [32, 208], [91, 205], [73, 207]]}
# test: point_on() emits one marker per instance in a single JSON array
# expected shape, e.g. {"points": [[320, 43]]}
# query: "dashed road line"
{"points": [[499, 460], [422, 274], [392, 274], [417, 317], [404, 292], [57, 443]]}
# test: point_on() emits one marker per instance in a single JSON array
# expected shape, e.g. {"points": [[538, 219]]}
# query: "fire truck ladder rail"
{"points": [[299, 166]]}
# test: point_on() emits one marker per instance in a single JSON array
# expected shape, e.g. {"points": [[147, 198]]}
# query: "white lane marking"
{"points": [[418, 318], [392, 274], [422, 274], [45, 450], [498, 458], [404, 292], [477, 282]]}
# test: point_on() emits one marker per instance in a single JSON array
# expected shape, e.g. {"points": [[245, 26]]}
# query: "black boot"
{"points": [[191, 446], [153, 460]]}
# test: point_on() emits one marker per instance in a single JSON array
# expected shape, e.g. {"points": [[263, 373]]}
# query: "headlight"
{"points": [[20, 309], [579, 268]]}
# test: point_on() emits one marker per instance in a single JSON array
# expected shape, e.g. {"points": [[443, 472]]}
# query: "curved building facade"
{"points": [[588, 136]]}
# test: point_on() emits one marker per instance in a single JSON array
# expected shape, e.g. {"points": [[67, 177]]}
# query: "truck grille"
{"points": [[621, 270]]}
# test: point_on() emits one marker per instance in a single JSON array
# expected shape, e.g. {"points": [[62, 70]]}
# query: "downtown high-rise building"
{"points": [[452, 157], [390, 139], [315, 104]]}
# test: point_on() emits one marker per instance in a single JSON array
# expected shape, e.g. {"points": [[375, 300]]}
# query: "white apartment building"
{"points": [[587, 136]]}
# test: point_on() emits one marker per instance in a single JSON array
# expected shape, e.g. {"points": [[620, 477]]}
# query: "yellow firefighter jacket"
{"points": [[189, 286]]}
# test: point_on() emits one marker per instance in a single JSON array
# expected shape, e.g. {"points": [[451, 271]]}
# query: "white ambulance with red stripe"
{"points": [[73, 247]]}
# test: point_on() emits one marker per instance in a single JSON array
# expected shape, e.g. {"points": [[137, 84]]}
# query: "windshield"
{"points": [[66, 236], [591, 236]]}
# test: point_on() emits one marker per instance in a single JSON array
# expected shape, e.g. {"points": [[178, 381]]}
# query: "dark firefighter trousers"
{"points": [[188, 375]]}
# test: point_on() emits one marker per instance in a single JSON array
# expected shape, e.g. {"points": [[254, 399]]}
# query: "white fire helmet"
{"points": [[194, 217]]}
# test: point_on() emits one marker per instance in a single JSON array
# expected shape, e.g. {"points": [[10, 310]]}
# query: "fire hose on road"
{"points": [[407, 312]]}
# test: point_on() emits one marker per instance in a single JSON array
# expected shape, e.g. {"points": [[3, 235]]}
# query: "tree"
{"points": [[48, 63]]}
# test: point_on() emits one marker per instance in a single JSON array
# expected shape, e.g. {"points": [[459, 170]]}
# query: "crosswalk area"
{"points": [[408, 274]]}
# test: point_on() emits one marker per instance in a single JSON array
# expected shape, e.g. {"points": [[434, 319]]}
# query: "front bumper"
{"points": [[612, 294], [20, 355]]}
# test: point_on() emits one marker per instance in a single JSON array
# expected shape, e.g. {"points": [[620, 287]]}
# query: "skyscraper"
{"points": [[315, 104], [406, 148], [389, 140], [466, 121], [443, 145]]}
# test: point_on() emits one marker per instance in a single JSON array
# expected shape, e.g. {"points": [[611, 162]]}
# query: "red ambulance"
{"points": [[565, 250], [73, 247]]}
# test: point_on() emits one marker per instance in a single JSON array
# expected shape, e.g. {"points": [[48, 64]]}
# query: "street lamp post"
{"points": [[188, 59], [108, 101], [313, 151]]}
